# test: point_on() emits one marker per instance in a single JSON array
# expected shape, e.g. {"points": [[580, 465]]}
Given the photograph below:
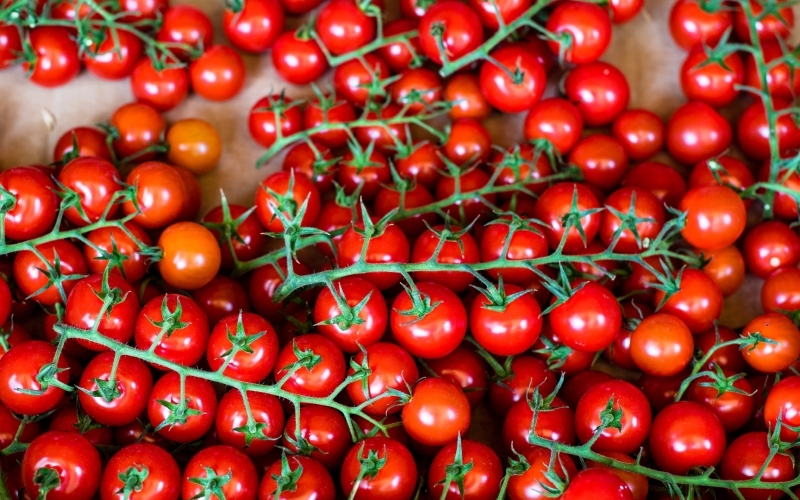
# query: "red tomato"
{"points": [[416, 90], [784, 348], [314, 379], [323, 434], [255, 27], [686, 435], [188, 413], [246, 344], [555, 423], [122, 402], [730, 172], [589, 320], [86, 309], [89, 141], [115, 56], [218, 74], [466, 369], [247, 236], [526, 243], [782, 82], [96, 182], [698, 301], [297, 58], [507, 10], [556, 120], [780, 291], [662, 345], [437, 412], [726, 267], [588, 27], [160, 193], [692, 25], [771, 245], [601, 159], [390, 368], [20, 368], [526, 375], [461, 31], [221, 297], [753, 132], [556, 204], [728, 358], [344, 26], [640, 132], [599, 90], [160, 88], [55, 58], [782, 402], [410, 197], [746, 456], [768, 27], [536, 482], [361, 81], [579, 384], [395, 478], [709, 81], [463, 91], [178, 326], [204, 473], [405, 52], [641, 204], [139, 128], [431, 325], [600, 482], [458, 248], [482, 480], [254, 437], [660, 179], [10, 45], [505, 322], [715, 217], [465, 209], [697, 132], [319, 115], [285, 193], [733, 407], [513, 79], [61, 465], [272, 118], [385, 246], [188, 27], [300, 477], [35, 203], [60, 260], [142, 471], [634, 424]]}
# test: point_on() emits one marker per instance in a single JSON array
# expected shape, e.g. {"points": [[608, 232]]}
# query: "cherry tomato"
{"points": [[781, 352], [319, 115], [599, 90], [643, 205], [399, 55], [322, 434], [188, 27], [588, 27], [118, 400], [716, 217], [768, 27], [780, 291], [746, 456], [466, 369], [391, 368], [753, 131], [662, 345], [589, 320], [698, 301], [556, 120], [458, 248], [191, 256], [691, 25], [61, 465], [202, 477], [461, 31], [660, 179], [482, 480], [246, 344], [771, 245], [189, 413], [222, 296], [437, 412], [160, 194], [344, 26], [86, 309], [386, 245], [81, 141], [396, 478], [300, 477], [726, 267], [697, 132], [35, 203], [513, 80], [782, 82], [317, 379], [184, 324], [19, 370], [734, 406], [286, 193], [96, 182], [55, 58], [160, 88], [115, 56], [709, 81], [194, 144], [640, 132], [62, 259], [360, 81], [274, 117], [218, 74], [463, 91], [466, 209], [536, 482], [728, 358], [141, 471], [10, 45], [254, 437], [601, 159], [297, 58], [256, 26], [556, 203], [686, 435], [554, 422]]}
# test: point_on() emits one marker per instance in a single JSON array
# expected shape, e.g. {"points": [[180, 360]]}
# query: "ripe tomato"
{"points": [[726, 267], [691, 25], [746, 456], [320, 114], [780, 291], [697, 132], [734, 407], [55, 58], [753, 132], [390, 368], [522, 163], [437, 412], [589, 320], [285, 192], [468, 142], [405, 52], [715, 217], [782, 402], [361, 81], [36, 278], [184, 424], [185, 329], [645, 207], [301, 477], [297, 58], [35, 203], [579, 384], [272, 118], [782, 82], [432, 328], [187, 27], [698, 302], [463, 91], [393, 473], [601, 482], [19, 371], [344, 26], [409, 197], [556, 120], [61, 465], [599, 90], [709, 81], [601, 159], [536, 482], [526, 243], [221, 297], [784, 348], [555, 423], [222, 469], [662, 345], [190, 255], [588, 27], [323, 434], [513, 79], [686, 435], [386, 246], [194, 144], [730, 172], [556, 203], [264, 281], [160, 194], [312, 160], [254, 437], [160, 88], [115, 56], [141, 471], [728, 358], [89, 142], [771, 245], [507, 10], [358, 326], [96, 182], [466, 369], [460, 28], [768, 27], [526, 375], [85, 309], [458, 248], [138, 129], [10, 45], [218, 74], [660, 179], [416, 90], [465, 209], [321, 366], [255, 27], [246, 344], [122, 402], [640, 132], [482, 480], [634, 424]]}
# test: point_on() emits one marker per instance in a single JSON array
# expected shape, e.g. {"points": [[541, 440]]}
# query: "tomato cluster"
{"points": [[404, 309]]}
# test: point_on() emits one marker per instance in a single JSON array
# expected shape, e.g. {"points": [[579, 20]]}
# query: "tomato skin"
{"points": [[534, 482], [635, 421], [504, 92], [468, 142], [396, 480], [555, 424], [90, 141], [556, 120], [351, 79], [398, 55], [589, 320], [163, 474], [232, 421], [768, 28], [641, 133], [511, 331], [780, 291], [437, 333], [56, 60], [467, 209], [36, 204], [191, 255], [161, 194], [254, 28], [716, 217], [297, 187], [85, 306], [466, 369], [778, 356], [392, 367], [337, 111], [162, 90], [264, 281], [526, 243], [753, 131], [595, 481], [199, 395], [133, 383], [463, 90], [556, 202], [662, 345], [462, 33], [690, 25], [462, 249], [782, 82], [660, 179], [426, 85], [10, 45], [323, 428], [782, 402], [184, 346], [187, 25], [252, 366], [646, 206], [733, 409], [374, 315], [138, 127], [697, 132], [265, 127], [30, 278], [6, 305], [414, 196], [601, 159], [218, 74], [113, 60], [248, 241], [96, 181], [73, 458], [221, 460], [481, 481], [599, 90], [508, 10], [437, 412], [19, 368], [320, 380], [314, 482], [387, 247], [298, 60], [589, 26], [661, 391], [303, 159], [698, 302], [769, 246], [712, 83], [343, 26], [222, 296], [744, 458], [686, 435]]}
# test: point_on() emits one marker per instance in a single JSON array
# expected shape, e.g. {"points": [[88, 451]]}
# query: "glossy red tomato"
{"points": [[361, 81], [461, 31], [746, 456], [781, 291], [385, 137], [61, 465], [297, 58], [203, 476], [734, 406], [246, 344], [691, 25], [556, 203], [218, 74], [403, 53], [416, 89], [321, 115], [187, 26], [161, 194], [644, 206], [320, 366], [86, 310], [709, 81], [641, 133], [390, 368], [781, 402], [634, 423], [387, 245], [395, 479], [177, 325], [599, 90], [526, 375], [781, 352], [431, 325], [716, 217], [771, 245], [71, 419], [466, 209], [662, 345], [160, 88], [141, 471], [19, 371], [118, 400], [285, 193], [222, 296], [726, 267], [458, 248], [536, 482], [274, 117], [513, 79], [55, 58], [323, 434], [437, 412], [10, 45], [686, 435], [115, 56], [601, 159], [753, 131], [507, 10], [466, 369], [522, 163], [342, 327], [254, 437], [139, 129], [463, 91], [555, 423], [410, 197], [247, 239], [768, 27], [556, 120], [482, 480], [300, 477], [35, 203], [588, 27], [589, 320], [505, 321], [96, 182], [255, 27], [61, 259], [90, 142], [728, 358], [697, 132], [724, 170], [526, 243], [168, 403], [665, 182], [312, 160], [344, 26], [698, 301], [782, 81]]}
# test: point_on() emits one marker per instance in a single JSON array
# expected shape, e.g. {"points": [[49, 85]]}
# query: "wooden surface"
{"points": [[32, 118]]}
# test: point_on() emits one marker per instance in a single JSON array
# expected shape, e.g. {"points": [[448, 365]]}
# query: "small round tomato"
{"points": [[59, 259], [599, 90], [361, 81], [180, 415], [641, 133], [468, 142], [465, 209], [409, 196], [297, 58], [589, 320], [220, 297], [218, 74], [416, 90], [526, 243], [726, 267], [115, 56], [645, 207], [358, 326], [437, 413], [782, 350], [323, 434], [10, 45], [115, 394], [328, 117], [20, 370], [526, 374], [587, 27], [690, 24], [458, 248], [190, 255], [255, 27], [697, 132], [272, 118], [709, 81], [506, 321], [482, 480], [556, 120], [138, 129], [81, 141], [724, 170], [554, 422], [507, 10], [601, 159], [86, 308], [662, 345], [186, 27], [141, 471], [513, 79], [246, 344], [391, 368], [344, 26], [728, 358], [393, 473], [61, 465], [782, 403], [536, 482], [771, 245], [603, 483], [459, 27], [316, 379], [35, 203], [686, 435], [405, 51], [746, 457], [299, 477], [429, 322], [734, 406], [254, 437], [555, 205], [666, 183], [96, 182], [221, 471], [782, 81], [160, 193], [194, 144], [178, 326], [769, 26], [781, 291], [160, 88], [698, 301], [54, 60], [386, 245], [715, 217], [633, 426], [466, 369], [463, 91]]}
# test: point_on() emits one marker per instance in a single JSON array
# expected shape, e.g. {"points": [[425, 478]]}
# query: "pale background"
{"points": [[32, 118]]}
